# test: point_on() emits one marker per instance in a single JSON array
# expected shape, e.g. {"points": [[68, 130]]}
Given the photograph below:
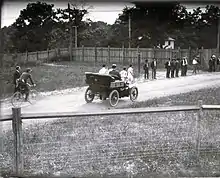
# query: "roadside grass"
{"points": [[209, 96], [123, 145]]}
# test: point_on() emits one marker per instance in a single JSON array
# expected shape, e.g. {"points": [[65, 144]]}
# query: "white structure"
{"points": [[169, 44]]}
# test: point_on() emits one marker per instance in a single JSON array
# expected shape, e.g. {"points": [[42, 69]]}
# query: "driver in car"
{"points": [[114, 73]]}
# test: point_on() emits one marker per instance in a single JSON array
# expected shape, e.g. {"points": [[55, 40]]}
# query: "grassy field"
{"points": [[141, 145]]}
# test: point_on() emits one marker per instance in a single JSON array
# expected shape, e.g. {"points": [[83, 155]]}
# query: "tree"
{"points": [[33, 27], [154, 21]]}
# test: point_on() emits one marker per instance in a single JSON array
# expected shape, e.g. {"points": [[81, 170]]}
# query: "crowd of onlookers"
{"points": [[214, 64], [174, 68]]}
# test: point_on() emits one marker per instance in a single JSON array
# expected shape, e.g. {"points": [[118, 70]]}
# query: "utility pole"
{"points": [[71, 35], [75, 27], [129, 30], [218, 36]]}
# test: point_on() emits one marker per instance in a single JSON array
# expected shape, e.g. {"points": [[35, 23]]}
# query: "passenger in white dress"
{"points": [[124, 74], [130, 75], [103, 70]]}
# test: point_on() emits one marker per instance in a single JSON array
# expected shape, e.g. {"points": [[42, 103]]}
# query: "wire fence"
{"points": [[177, 141]]}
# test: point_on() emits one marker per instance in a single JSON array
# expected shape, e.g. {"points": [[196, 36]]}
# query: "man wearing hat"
{"points": [[23, 81], [113, 72], [172, 68], [16, 76], [213, 63]]}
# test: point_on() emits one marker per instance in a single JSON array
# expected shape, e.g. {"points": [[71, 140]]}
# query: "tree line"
{"points": [[40, 26]]}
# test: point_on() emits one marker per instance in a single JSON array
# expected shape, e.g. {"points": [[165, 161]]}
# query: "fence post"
{"points": [[83, 53], [18, 141], [198, 120], [139, 61], [109, 60], [95, 54]]}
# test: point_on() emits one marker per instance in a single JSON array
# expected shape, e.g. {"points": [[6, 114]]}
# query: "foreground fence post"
{"points": [[198, 121], [18, 141]]}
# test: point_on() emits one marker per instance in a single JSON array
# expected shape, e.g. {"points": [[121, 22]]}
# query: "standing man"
{"points": [[172, 68], [177, 67], [146, 69], [218, 64], [210, 64], [16, 76], [130, 74], [194, 63], [213, 63], [167, 66], [154, 68], [186, 65]]}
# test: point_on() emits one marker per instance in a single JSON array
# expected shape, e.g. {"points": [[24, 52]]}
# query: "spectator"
{"points": [[154, 68], [146, 69], [195, 64], [177, 67], [172, 68], [130, 74], [168, 66], [16, 76]]}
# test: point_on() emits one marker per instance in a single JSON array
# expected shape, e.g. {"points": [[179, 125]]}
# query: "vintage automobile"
{"points": [[108, 87]]}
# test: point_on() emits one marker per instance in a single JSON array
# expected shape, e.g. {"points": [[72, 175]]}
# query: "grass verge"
{"points": [[208, 96]]}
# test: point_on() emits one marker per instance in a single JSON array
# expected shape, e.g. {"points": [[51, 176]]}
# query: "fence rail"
{"points": [[16, 117], [110, 55]]}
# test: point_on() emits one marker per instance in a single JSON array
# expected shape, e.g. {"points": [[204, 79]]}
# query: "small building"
{"points": [[169, 43]]}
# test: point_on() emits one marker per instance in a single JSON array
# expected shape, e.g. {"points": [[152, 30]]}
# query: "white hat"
{"points": [[114, 65], [213, 56]]}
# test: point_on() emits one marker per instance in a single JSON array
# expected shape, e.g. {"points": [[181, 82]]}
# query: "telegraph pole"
{"points": [[71, 35], [218, 36], [129, 30], [75, 27]]}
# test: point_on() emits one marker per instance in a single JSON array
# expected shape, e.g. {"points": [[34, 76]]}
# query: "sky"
{"points": [[106, 12]]}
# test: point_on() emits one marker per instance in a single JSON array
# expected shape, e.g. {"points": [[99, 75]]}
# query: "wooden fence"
{"points": [[112, 55], [17, 119]]}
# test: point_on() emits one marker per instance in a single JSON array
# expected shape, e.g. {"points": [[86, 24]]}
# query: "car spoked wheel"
{"points": [[113, 98], [133, 93], [17, 99], [89, 95]]}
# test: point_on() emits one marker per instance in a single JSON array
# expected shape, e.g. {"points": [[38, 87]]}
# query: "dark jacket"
{"points": [[146, 66], [25, 76], [115, 73], [16, 76], [166, 64], [153, 66]]}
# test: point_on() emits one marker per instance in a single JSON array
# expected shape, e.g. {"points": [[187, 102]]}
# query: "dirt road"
{"points": [[73, 99]]}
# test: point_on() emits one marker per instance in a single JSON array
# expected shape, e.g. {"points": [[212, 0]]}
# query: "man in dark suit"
{"points": [[16, 76], [154, 68], [177, 67], [146, 69], [172, 68], [167, 66], [115, 73]]}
